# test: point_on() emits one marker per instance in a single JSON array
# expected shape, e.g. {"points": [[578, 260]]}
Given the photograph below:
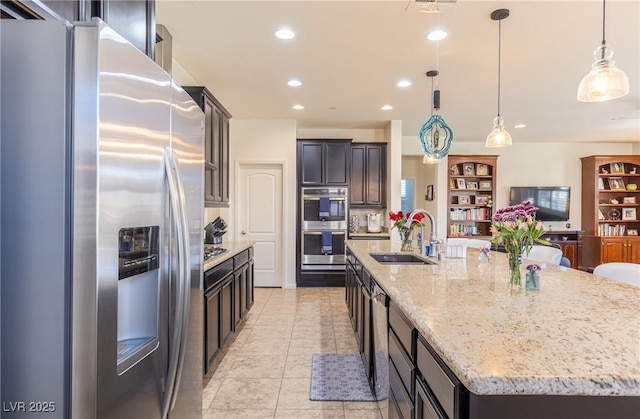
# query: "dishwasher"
{"points": [[380, 310]]}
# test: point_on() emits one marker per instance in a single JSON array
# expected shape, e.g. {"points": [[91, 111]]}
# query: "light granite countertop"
{"points": [[578, 335], [233, 248]]}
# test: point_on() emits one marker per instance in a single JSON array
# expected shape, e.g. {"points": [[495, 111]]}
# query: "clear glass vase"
{"points": [[406, 236], [515, 260]]}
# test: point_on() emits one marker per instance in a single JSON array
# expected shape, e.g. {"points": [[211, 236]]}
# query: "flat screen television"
{"points": [[553, 202]]}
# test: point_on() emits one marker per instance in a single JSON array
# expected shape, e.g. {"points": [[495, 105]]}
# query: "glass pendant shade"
{"points": [[435, 137], [430, 159], [605, 81], [498, 137]]}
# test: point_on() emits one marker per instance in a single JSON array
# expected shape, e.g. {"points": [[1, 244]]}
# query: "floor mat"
{"points": [[339, 377]]}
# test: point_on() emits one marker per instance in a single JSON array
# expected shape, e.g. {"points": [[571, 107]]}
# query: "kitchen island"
{"points": [[571, 349]]}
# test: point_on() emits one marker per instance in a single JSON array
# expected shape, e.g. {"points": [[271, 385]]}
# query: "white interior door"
{"points": [[259, 215]]}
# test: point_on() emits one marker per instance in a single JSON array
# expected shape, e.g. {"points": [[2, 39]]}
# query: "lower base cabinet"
{"points": [[228, 298], [226, 310], [358, 299], [597, 250], [426, 406], [212, 341]]}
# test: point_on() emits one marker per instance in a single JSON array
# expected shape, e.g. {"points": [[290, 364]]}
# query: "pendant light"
{"points": [[605, 81], [499, 137], [435, 135]]}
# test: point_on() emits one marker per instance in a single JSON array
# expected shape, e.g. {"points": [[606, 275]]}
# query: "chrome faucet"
{"points": [[433, 240]]}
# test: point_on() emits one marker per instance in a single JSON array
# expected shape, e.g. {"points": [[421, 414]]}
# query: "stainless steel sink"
{"points": [[400, 259]]}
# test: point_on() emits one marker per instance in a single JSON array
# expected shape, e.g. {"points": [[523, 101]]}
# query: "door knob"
{"points": [[243, 232]]}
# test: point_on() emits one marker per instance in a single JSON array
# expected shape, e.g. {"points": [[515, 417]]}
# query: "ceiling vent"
{"points": [[430, 6]]}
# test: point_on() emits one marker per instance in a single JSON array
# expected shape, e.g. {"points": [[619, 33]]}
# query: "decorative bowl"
{"points": [[632, 186]]}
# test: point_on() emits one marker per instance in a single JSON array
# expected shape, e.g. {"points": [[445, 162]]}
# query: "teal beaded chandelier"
{"points": [[435, 135]]}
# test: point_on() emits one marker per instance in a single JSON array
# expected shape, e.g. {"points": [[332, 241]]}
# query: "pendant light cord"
{"points": [[603, 24], [499, 60], [432, 99]]}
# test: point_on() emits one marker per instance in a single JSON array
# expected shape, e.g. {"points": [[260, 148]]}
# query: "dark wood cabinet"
{"points": [[216, 142], [226, 310], [426, 406], [323, 162], [241, 295], [214, 280], [213, 343], [570, 242], [228, 298], [368, 175], [359, 306], [127, 17]]}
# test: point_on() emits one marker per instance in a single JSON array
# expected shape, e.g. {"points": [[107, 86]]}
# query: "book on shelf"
{"points": [[470, 214], [458, 230], [611, 230]]}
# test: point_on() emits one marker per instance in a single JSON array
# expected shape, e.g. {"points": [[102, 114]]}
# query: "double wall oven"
{"points": [[324, 223]]}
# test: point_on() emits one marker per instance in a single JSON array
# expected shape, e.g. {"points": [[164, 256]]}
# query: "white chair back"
{"points": [[628, 273], [545, 254]]}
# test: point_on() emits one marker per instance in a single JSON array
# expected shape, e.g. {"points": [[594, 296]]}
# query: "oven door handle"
{"points": [[315, 198], [318, 233]]}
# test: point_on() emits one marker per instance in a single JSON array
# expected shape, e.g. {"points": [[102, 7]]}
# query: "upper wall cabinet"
{"points": [[368, 175], [216, 147], [126, 17], [323, 162]]}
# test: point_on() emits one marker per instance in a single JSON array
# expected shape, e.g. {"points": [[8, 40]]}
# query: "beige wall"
{"points": [[267, 141], [526, 164]]}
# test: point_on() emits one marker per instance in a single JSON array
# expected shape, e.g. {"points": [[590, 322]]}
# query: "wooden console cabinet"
{"points": [[570, 241]]}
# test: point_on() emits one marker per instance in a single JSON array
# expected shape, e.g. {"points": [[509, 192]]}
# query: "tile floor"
{"points": [[266, 370]]}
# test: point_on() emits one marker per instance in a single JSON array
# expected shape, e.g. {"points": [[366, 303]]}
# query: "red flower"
{"points": [[400, 219], [395, 216]]}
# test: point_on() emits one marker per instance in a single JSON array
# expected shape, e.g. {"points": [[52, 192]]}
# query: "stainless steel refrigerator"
{"points": [[101, 220]]}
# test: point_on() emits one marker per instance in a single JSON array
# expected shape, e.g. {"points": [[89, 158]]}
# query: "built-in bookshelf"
{"points": [[610, 209], [471, 194]]}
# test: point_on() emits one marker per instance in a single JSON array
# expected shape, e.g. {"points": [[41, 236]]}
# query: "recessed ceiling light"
{"points": [[285, 34], [437, 35], [294, 83], [386, 107], [298, 107], [403, 83], [520, 126]]}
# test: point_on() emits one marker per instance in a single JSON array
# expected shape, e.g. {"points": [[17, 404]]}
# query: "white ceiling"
{"points": [[350, 54]]}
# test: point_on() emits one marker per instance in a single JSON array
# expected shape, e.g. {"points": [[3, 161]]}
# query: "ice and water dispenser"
{"points": [[138, 294]]}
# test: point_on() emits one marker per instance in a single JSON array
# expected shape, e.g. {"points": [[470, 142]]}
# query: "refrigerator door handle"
{"points": [[185, 278], [178, 321]]}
